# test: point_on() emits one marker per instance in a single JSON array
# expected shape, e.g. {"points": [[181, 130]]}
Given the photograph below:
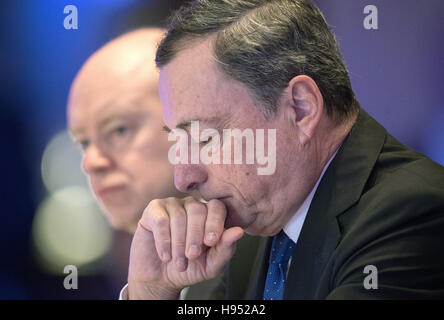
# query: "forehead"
{"points": [[98, 109], [100, 89], [192, 87]]}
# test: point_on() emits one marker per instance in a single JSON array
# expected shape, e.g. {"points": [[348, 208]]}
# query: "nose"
{"points": [[94, 160], [188, 176]]}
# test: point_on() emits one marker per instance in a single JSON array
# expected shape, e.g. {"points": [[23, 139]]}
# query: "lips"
{"points": [[104, 191]]}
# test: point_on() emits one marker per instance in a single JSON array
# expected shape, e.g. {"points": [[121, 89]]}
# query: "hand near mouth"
{"points": [[178, 243]]}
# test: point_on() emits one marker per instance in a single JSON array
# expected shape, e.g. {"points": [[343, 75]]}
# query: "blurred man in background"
{"points": [[114, 114]]}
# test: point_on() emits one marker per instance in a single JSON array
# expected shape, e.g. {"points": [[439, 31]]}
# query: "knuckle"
{"points": [[166, 242], [195, 231], [154, 205], [179, 243], [172, 200], [160, 221]]}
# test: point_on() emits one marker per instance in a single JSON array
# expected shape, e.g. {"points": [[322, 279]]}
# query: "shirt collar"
{"points": [[294, 226]]}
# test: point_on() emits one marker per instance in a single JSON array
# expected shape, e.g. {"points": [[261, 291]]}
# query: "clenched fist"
{"points": [[178, 243]]}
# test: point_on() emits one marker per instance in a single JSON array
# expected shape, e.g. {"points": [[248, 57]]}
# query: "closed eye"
{"points": [[210, 138]]}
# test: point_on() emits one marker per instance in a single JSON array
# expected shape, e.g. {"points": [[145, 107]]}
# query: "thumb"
{"points": [[223, 251], [143, 255]]}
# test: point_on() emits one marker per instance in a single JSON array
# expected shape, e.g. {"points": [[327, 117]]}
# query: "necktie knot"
{"points": [[281, 249]]}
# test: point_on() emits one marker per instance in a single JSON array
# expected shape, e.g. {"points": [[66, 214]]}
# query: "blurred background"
{"points": [[48, 215]]}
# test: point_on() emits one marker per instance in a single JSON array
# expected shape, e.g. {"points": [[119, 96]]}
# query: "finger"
{"points": [[223, 251], [214, 226], [196, 217], [156, 219], [178, 217]]}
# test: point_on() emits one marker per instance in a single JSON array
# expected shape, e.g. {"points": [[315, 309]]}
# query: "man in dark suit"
{"points": [[379, 204], [347, 212]]}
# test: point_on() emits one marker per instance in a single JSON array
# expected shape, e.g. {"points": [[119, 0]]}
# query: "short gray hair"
{"points": [[264, 44]]}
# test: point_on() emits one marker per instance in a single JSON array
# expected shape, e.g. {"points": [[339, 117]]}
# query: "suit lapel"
{"points": [[340, 188], [319, 237], [256, 284]]}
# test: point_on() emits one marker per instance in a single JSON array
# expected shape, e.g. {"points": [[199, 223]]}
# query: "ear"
{"points": [[304, 106]]}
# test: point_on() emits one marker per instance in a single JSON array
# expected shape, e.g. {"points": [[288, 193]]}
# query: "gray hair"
{"points": [[264, 44]]}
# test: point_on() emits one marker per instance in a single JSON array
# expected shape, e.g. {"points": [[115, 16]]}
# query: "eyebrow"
{"points": [[111, 118], [185, 124], [76, 131]]}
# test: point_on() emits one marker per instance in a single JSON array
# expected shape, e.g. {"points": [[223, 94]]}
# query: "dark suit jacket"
{"points": [[379, 203]]}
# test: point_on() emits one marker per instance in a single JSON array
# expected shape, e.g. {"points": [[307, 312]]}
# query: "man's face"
{"points": [[191, 88], [119, 127]]}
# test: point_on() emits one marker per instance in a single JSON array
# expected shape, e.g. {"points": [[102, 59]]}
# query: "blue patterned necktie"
{"points": [[281, 251]]}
